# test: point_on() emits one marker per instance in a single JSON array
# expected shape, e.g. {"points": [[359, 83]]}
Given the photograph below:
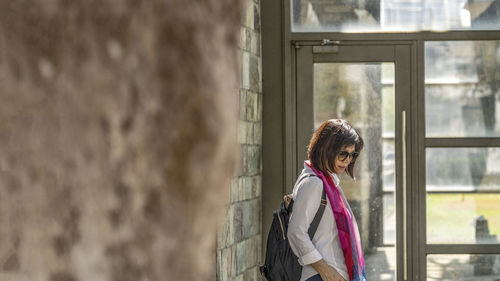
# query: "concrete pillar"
{"points": [[118, 137]]}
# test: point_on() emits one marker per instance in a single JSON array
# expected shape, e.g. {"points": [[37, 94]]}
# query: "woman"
{"points": [[334, 254]]}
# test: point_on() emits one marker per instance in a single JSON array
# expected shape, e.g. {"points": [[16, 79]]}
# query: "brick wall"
{"points": [[240, 235]]}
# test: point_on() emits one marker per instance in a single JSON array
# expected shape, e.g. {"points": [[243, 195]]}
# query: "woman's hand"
{"points": [[327, 272]]}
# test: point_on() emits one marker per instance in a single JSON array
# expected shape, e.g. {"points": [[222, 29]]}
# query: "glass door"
{"points": [[370, 86]]}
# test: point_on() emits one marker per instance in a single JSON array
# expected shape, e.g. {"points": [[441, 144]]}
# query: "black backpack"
{"points": [[281, 263]]}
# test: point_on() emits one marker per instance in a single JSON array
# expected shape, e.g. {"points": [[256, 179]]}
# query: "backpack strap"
{"points": [[290, 205], [317, 218], [314, 225]]}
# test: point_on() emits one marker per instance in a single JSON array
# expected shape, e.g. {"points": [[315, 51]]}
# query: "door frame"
{"points": [[300, 100], [278, 72]]}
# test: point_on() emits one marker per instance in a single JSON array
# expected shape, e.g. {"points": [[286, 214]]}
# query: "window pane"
{"points": [[463, 267], [472, 218], [393, 15], [462, 82], [389, 219], [462, 187], [363, 94], [463, 169]]}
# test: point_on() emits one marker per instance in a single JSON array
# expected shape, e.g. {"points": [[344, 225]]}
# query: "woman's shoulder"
{"points": [[311, 180], [308, 183]]}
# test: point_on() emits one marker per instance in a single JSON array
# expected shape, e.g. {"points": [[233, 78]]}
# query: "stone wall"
{"points": [[239, 237]]}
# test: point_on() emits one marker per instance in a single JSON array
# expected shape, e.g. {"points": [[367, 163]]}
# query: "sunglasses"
{"points": [[344, 154]]}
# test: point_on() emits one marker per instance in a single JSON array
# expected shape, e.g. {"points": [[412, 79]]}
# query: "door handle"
{"points": [[405, 249]]}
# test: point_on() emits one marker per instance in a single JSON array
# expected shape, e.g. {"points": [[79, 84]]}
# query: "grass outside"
{"points": [[450, 217]]}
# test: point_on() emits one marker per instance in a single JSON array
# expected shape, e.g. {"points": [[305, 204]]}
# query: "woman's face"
{"points": [[341, 165]]}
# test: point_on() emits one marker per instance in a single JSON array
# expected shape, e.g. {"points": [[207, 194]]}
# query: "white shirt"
{"points": [[325, 243]]}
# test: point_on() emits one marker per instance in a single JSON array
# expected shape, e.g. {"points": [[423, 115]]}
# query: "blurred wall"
{"points": [[240, 235], [117, 137]]}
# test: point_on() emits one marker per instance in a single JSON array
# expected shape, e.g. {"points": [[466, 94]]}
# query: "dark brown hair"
{"points": [[327, 141]]}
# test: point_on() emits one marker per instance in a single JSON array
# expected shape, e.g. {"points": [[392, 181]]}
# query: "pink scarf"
{"points": [[347, 228]]}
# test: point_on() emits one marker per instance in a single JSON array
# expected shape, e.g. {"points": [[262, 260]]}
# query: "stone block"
{"points": [[253, 187], [253, 159], [234, 190], [252, 106], [243, 183], [250, 39], [260, 72], [259, 248], [250, 133], [257, 133], [240, 169], [254, 73], [219, 270], [225, 233], [242, 166], [246, 192], [243, 102], [255, 43], [251, 217], [241, 257], [256, 17], [249, 275], [243, 38], [249, 15], [228, 263], [244, 160], [259, 107], [238, 223], [257, 185], [240, 62], [240, 277], [252, 246], [250, 188], [252, 274], [243, 132], [245, 69]]}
